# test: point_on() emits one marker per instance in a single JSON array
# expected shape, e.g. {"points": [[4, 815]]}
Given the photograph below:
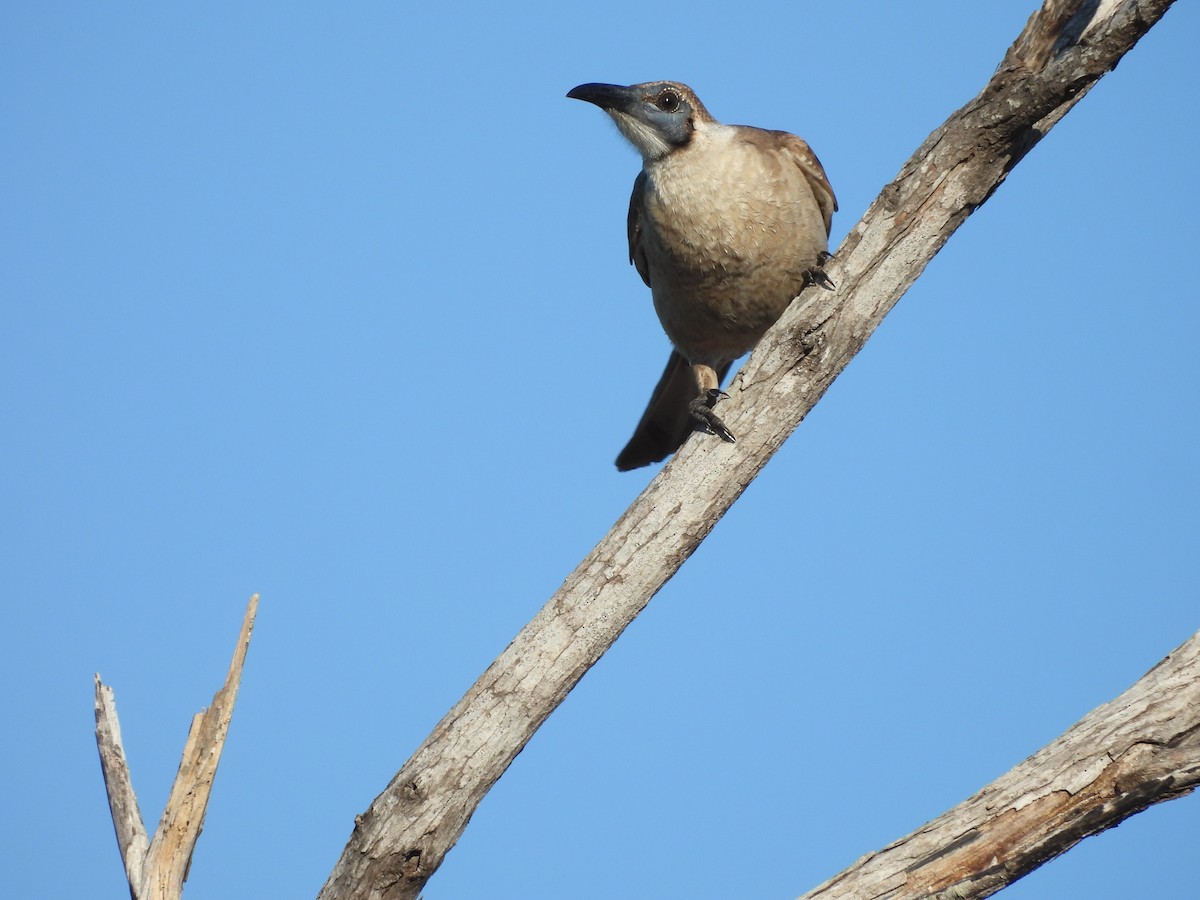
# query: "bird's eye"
{"points": [[668, 101]]}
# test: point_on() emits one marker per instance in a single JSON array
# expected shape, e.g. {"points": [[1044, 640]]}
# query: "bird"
{"points": [[727, 225]]}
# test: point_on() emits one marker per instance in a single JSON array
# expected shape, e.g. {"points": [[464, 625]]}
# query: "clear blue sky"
{"points": [[331, 302]]}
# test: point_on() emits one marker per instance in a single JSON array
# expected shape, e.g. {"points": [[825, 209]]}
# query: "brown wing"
{"points": [[801, 154], [637, 254]]}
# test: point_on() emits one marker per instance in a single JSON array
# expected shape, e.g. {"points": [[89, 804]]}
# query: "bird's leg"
{"points": [[701, 408], [816, 275]]}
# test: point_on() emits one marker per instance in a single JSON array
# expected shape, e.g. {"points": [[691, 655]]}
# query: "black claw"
{"points": [[701, 410], [718, 428], [816, 275]]}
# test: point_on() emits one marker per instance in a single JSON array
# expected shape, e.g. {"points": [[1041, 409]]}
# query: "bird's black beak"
{"points": [[605, 96]]}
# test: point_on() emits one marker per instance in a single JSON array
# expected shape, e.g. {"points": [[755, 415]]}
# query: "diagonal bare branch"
{"points": [[1064, 49], [170, 854], [1137, 750]]}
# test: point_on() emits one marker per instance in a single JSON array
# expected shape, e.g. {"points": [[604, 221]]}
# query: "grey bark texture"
{"points": [[403, 837]]}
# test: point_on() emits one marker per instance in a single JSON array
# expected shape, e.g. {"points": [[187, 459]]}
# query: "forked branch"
{"points": [[157, 869]]}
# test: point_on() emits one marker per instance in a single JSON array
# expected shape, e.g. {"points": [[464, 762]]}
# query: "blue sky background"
{"points": [[332, 303]]}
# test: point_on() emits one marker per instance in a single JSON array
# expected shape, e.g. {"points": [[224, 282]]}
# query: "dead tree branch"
{"points": [[157, 869], [1065, 48], [1137, 750]]}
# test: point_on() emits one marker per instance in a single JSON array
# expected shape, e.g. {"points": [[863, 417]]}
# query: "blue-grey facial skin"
{"points": [[656, 104]]}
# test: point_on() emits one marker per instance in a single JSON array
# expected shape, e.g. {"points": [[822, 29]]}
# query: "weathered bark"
{"points": [[157, 869], [132, 840], [1137, 750], [403, 837]]}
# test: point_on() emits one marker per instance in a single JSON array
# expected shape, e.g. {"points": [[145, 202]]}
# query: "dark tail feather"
{"points": [[666, 423]]}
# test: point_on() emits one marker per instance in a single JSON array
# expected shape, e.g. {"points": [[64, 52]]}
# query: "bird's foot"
{"points": [[702, 412], [816, 275]]}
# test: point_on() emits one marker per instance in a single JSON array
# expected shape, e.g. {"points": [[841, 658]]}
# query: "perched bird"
{"points": [[727, 224]]}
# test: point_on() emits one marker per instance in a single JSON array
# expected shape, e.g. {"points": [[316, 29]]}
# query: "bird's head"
{"points": [[657, 117]]}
